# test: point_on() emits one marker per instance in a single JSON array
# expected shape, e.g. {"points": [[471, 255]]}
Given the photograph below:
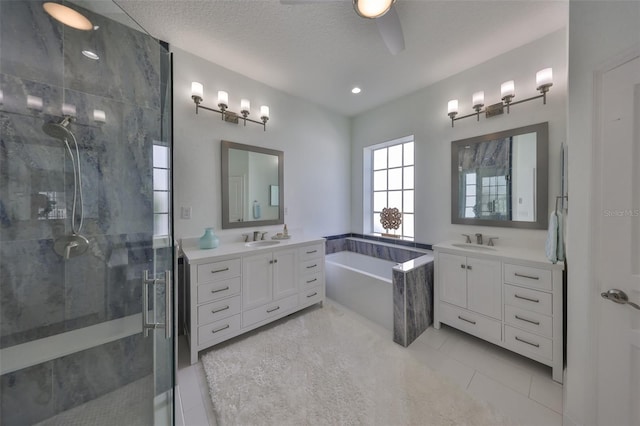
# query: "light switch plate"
{"points": [[185, 212]]}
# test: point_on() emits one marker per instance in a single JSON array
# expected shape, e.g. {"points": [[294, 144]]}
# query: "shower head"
{"points": [[58, 130]]}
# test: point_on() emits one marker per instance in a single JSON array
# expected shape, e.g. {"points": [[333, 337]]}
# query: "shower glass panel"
{"points": [[86, 245]]}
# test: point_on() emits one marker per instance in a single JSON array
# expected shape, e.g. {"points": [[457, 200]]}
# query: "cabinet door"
{"points": [[484, 287], [285, 282], [257, 280], [452, 276]]}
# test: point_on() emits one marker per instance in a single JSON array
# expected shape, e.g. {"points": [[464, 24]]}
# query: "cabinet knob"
{"points": [[469, 267], [462, 266]]}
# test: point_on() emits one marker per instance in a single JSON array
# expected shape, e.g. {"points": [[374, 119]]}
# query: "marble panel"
{"points": [[30, 42], [412, 303], [419, 300], [399, 308], [86, 375], [26, 396], [32, 295], [335, 245], [129, 66]]}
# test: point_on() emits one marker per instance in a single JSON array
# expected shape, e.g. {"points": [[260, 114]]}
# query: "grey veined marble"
{"points": [[412, 303]]}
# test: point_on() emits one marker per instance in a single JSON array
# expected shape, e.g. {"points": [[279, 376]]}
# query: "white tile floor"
{"points": [[520, 388]]}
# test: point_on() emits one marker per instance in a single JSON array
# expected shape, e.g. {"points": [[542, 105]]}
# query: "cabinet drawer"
{"points": [[312, 295], [218, 330], [216, 271], [528, 276], [531, 300], [471, 323], [311, 266], [310, 252], [310, 280], [218, 310], [269, 310], [527, 343], [529, 320], [218, 290]]}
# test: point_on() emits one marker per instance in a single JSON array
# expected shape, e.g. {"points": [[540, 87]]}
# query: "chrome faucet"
{"points": [[255, 235], [467, 238], [479, 238], [263, 234]]}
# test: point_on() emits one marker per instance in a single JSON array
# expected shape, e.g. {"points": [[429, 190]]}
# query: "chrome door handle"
{"points": [[151, 282], [618, 296]]}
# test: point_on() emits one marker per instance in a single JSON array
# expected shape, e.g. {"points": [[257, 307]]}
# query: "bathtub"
{"points": [[362, 284]]}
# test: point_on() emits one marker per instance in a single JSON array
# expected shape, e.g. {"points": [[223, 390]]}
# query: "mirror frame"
{"points": [[542, 177], [225, 146]]}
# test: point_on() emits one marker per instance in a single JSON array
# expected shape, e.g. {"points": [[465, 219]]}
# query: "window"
{"points": [[161, 189], [392, 177]]}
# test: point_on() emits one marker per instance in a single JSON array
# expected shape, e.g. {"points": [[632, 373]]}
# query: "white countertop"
{"points": [[534, 256], [194, 253]]}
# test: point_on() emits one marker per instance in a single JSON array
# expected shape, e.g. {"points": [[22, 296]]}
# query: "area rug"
{"points": [[328, 367]]}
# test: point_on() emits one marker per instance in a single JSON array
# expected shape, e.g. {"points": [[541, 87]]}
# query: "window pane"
{"points": [[395, 156], [407, 225], [160, 224], [471, 178], [395, 178], [408, 202], [395, 199], [377, 227], [160, 202], [408, 154], [160, 179], [380, 159], [380, 180], [471, 189], [408, 177], [379, 201], [161, 156], [468, 212]]}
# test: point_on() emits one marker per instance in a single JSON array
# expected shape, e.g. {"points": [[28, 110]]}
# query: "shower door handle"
{"points": [[151, 282]]}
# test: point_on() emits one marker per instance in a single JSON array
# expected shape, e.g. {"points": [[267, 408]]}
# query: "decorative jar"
{"points": [[209, 240]]}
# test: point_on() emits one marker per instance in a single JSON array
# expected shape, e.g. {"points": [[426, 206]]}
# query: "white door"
{"points": [[236, 198], [285, 282], [452, 277], [257, 279], [617, 242], [484, 287]]}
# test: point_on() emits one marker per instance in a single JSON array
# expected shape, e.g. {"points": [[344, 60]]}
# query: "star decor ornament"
{"points": [[390, 218]]}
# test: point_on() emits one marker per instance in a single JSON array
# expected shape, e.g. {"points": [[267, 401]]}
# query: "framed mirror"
{"points": [[501, 179], [252, 186]]}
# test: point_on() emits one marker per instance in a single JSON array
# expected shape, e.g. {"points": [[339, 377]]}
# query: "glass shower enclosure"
{"points": [[86, 246]]}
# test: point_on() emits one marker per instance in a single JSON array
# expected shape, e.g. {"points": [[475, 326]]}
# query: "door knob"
{"points": [[618, 296]]}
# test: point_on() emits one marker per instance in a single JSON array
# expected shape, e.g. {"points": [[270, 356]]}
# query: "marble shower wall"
{"points": [[41, 294]]}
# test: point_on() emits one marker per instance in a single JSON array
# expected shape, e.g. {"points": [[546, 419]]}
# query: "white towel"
{"points": [[560, 243], [551, 248]]}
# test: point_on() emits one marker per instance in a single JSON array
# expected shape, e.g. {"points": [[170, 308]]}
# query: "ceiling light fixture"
{"points": [[67, 16], [544, 80], [356, 90], [372, 8], [197, 94]]}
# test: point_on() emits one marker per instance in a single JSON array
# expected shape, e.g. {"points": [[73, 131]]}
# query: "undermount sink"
{"points": [[262, 243], [473, 247]]}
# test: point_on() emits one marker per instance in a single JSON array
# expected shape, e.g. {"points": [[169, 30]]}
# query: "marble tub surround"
{"points": [[412, 299], [412, 280], [336, 243]]}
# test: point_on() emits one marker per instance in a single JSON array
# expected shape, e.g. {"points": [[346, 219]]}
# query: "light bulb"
{"points": [[264, 111], [544, 78], [478, 99], [223, 98], [197, 89], [245, 105], [452, 106], [508, 89]]}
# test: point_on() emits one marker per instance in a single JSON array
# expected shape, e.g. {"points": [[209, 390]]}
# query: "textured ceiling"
{"points": [[319, 50]]}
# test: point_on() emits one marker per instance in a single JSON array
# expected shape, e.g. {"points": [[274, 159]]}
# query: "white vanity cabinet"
{"points": [[512, 298], [234, 289]]}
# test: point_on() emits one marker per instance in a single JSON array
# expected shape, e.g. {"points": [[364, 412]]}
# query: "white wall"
{"points": [[315, 141], [599, 32], [424, 114]]}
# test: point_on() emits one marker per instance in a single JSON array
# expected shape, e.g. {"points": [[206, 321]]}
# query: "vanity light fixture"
{"points": [[544, 80], [197, 94]]}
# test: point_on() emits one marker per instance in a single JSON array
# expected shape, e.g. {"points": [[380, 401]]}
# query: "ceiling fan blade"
{"points": [[391, 31]]}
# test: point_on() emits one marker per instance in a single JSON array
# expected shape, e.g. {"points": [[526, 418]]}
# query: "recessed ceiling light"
{"points": [[356, 90], [91, 55], [67, 16]]}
